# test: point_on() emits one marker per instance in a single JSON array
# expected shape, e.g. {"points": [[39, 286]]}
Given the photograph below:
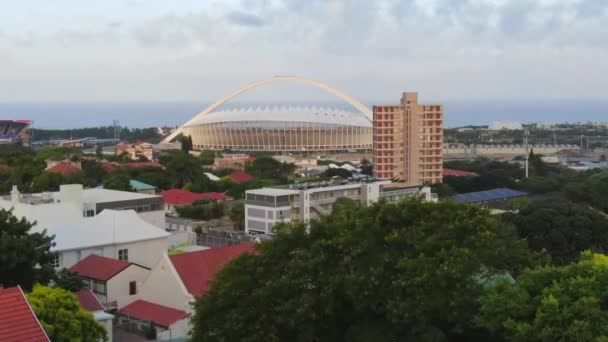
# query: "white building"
{"points": [[267, 206], [117, 234], [508, 125], [91, 303], [72, 202]]}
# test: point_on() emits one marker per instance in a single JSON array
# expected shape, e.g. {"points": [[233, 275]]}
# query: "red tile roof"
{"points": [[88, 300], [457, 173], [17, 320], [198, 269], [185, 197], [250, 159], [98, 267], [64, 169], [161, 315], [142, 164], [240, 177], [4, 167], [109, 167]]}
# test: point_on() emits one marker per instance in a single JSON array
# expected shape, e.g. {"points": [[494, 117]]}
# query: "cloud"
{"points": [[244, 19]]}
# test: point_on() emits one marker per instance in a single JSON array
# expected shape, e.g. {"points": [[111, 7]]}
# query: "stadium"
{"points": [[12, 130], [281, 128]]}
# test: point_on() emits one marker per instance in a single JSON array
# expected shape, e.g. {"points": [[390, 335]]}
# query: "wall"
{"points": [[118, 286], [156, 217], [178, 329]]}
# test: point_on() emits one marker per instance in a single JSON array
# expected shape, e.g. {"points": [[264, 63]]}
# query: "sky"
{"points": [[196, 51]]}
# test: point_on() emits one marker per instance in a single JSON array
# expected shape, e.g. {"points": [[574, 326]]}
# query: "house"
{"points": [[136, 150], [72, 202], [66, 169], [142, 188], [109, 167], [17, 319], [240, 177], [494, 199], [178, 197], [91, 303], [75, 163], [172, 286], [110, 279], [116, 234]]}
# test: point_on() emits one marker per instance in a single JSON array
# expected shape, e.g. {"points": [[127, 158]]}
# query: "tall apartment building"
{"points": [[408, 141]]}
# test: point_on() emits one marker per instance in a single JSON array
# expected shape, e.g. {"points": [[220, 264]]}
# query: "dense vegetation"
{"points": [[128, 134]]}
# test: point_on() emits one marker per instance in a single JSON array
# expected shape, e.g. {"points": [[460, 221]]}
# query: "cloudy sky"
{"points": [[186, 50]]}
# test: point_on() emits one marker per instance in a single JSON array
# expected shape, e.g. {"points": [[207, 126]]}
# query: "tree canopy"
{"points": [[25, 257], [550, 303], [561, 228], [388, 272], [118, 181], [62, 317]]}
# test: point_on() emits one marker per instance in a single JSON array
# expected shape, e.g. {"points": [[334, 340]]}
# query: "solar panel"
{"points": [[488, 195]]}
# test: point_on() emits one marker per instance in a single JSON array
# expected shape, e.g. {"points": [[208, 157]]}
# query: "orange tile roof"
{"points": [[18, 323]]}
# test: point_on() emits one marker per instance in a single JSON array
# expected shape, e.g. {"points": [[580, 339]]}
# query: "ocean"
{"points": [[137, 115]]}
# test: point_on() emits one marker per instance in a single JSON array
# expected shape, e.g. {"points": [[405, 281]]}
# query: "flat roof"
{"points": [[273, 192], [488, 195]]}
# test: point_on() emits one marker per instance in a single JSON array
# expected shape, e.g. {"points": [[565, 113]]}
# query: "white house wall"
{"points": [[156, 217], [118, 286]]}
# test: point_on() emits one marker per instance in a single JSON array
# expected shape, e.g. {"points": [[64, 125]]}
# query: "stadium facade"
{"points": [[281, 128], [12, 131]]}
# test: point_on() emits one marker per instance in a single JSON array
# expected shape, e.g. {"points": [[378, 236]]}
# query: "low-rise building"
{"points": [[233, 161], [91, 303], [121, 235], [142, 188], [72, 202], [110, 279], [167, 294], [178, 197], [267, 206], [136, 150]]}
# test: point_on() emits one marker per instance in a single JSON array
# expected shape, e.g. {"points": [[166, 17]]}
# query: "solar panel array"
{"points": [[488, 195]]}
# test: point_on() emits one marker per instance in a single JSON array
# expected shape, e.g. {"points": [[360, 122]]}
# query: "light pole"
{"points": [[526, 133]]}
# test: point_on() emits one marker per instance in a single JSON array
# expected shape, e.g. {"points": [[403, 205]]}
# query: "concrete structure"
{"points": [[268, 206], [136, 150], [72, 202], [235, 161], [462, 151], [408, 141], [506, 125], [113, 234], [281, 128]]}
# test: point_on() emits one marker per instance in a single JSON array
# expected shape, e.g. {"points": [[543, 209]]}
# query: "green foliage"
{"points": [[93, 173], [442, 190], [208, 157], [518, 203], [549, 303], [47, 181], [117, 181], [342, 173], [561, 229], [593, 190], [186, 142], [15, 155], [202, 183], [62, 317], [25, 257], [57, 153], [68, 281], [181, 167], [268, 167], [491, 175], [201, 210], [390, 272], [539, 184], [366, 167], [99, 151], [237, 216]]}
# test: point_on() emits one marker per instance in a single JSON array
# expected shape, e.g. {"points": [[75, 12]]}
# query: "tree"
{"points": [[68, 281], [117, 181], [25, 257], [237, 216], [549, 303], [539, 184], [93, 173], [99, 152], [561, 228], [62, 317], [388, 272], [47, 181], [181, 167], [186, 143], [207, 157], [366, 167], [593, 190], [268, 167]]}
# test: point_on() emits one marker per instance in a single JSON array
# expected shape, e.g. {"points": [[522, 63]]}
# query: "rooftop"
{"points": [[137, 185], [457, 173], [88, 300], [108, 227], [240, 177], [161, 315], [17, 319], [99, 267], [273, 192], [185, 197], [488, 195], [92, 195], [198, 269], [64, 169]]}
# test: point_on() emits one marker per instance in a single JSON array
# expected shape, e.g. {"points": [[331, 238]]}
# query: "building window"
{"points": [[132, 288], [55, 262], [99, 287], [89, 213], [123, 254]]}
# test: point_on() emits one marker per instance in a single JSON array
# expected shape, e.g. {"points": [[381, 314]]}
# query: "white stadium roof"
{"points": [[324, 115]]}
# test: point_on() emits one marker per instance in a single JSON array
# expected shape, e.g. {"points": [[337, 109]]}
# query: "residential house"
{"points": [[178, 197], [233, 161], [142, 188], [91, 303], [18, 323], [110, 279], [72, 202], [173, 284], [116, 234], [240, 177], [136, 150]]}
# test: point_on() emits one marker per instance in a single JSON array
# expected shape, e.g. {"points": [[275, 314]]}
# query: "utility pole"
{"points": [[582, 141], [554, 138], [526, 133]]}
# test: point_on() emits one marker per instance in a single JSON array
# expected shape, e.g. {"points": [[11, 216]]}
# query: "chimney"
{"points": [[72, 193], [15, 195]]}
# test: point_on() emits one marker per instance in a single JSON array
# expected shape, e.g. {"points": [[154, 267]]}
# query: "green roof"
{"points": [[137, 185]]}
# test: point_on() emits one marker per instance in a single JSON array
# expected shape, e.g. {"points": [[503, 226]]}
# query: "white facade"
{"points": [[72, 202], [106, 235], [117, 288], [266, 207]]}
